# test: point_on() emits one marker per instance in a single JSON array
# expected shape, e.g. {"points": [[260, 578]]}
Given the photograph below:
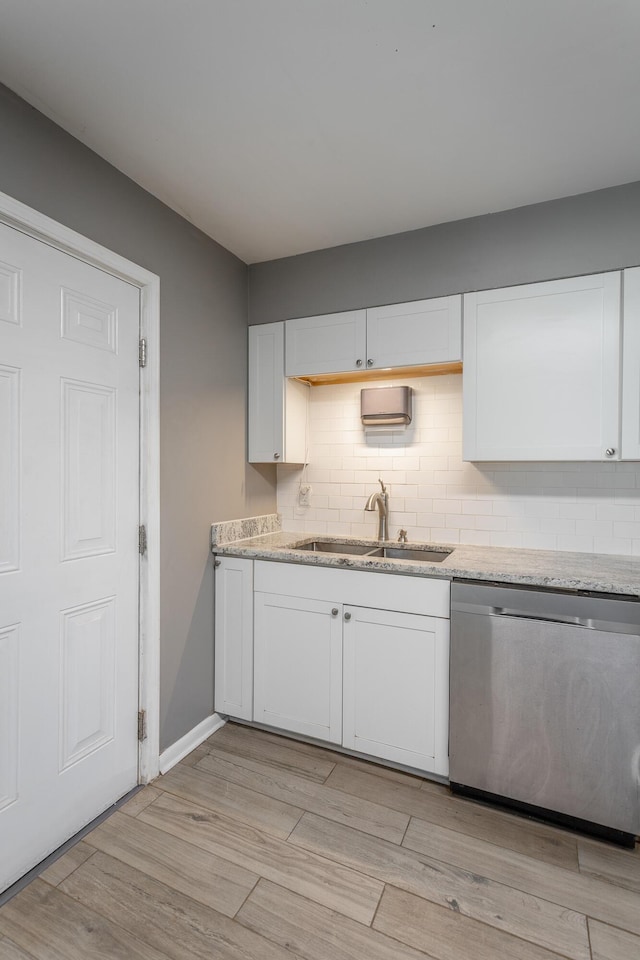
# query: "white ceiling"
{"points": [[281, 126]]}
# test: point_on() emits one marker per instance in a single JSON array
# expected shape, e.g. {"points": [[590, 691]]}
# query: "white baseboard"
{"points": [[179, 750]]}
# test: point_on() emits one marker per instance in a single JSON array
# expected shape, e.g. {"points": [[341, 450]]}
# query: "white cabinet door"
{"points": [[298, 665], [277, 407], [396, 687], [541, 371], [266, 396], [421, 332], [402, 334], [331, 343], [233, 678], [631, 366]]}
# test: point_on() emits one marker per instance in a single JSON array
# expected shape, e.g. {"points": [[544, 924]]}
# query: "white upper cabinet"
{"points": [[277, 407], [330, 343], [631, 366], [541, 371], [403, 334], [421, 332]]}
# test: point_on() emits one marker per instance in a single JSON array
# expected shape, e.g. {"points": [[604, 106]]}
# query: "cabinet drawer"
{"points": [[386, 591]]}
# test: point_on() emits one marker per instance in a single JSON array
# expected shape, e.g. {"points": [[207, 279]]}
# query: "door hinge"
{"points": [[142, 352], [142, 539], [142, 725]]}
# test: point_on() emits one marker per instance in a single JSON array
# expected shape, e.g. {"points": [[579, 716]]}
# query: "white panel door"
{"points": [[298, 665], [396, 687], [420, 332], [541, 371], [69, 505]]}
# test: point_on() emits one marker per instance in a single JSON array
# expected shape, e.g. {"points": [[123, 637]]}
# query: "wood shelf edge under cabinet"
{"points": [[395, 373]]}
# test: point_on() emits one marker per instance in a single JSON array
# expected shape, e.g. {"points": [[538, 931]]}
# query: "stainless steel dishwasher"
{"points": [[545, 704]]}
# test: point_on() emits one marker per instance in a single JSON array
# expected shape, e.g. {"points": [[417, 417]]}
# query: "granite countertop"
{"points": [[546, 568]]}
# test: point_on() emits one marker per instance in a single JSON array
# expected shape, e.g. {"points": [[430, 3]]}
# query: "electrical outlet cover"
{"points": [[304, 495]]}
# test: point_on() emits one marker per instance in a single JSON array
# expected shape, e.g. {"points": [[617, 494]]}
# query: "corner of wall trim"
{"points": [[179, 750]]}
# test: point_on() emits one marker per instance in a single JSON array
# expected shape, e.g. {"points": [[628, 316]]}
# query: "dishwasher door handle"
{"points": [[515, 615]]}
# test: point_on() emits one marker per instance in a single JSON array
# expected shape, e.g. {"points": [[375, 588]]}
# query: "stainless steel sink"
{"points": [[426, 554], [337, 546], [396, 552]]}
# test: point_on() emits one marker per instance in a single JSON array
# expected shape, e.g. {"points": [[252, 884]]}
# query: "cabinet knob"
{"points": [[347, 616], [610, 451], [370, 362], [335, 612], [358, 363], [217, 563], [276, 456]]}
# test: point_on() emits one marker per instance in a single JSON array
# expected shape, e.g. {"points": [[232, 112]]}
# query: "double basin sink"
{"points": [[426, 554]]}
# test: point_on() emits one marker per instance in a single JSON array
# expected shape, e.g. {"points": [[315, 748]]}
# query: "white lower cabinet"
{"points": [[298, 665], [395, 687], [233, 646], [355, 658], [350, 657]]}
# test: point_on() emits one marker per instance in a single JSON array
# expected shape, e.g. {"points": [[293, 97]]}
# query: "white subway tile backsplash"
{"points": [[541, 541], [541, 508], [580, 510], [612, 545], [523, 524], [594, 528], [580, 544], [491, 523], [401, 518], [477, 508], [480, 538], [446, 535], [631, 530], [506, 539], [447, 506], [459, 522], [337, 502], [437, 497], [402, 489], [615, 511]]}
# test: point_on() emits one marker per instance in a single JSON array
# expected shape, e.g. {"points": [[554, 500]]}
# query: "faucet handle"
{"points": [[402, 536], [384, 489]]}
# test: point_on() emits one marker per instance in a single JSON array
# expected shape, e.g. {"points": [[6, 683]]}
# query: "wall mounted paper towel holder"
{"points": [[381, 406]]}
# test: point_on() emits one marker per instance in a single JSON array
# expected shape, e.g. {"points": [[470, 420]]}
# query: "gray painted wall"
{"points": [[203, 299], [561, 238]]}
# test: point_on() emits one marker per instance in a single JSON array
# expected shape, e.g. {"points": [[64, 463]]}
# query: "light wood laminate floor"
{"points": [[257, 846]]}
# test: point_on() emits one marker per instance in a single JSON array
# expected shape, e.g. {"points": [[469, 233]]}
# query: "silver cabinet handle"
{"points": [[610, 451], [276, 456], [217, 563], [335, 612], [358, 363], [370, 362], [347, 616]]}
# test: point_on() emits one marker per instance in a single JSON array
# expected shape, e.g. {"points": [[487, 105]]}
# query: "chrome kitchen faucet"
{"points": [[380, 499]]}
